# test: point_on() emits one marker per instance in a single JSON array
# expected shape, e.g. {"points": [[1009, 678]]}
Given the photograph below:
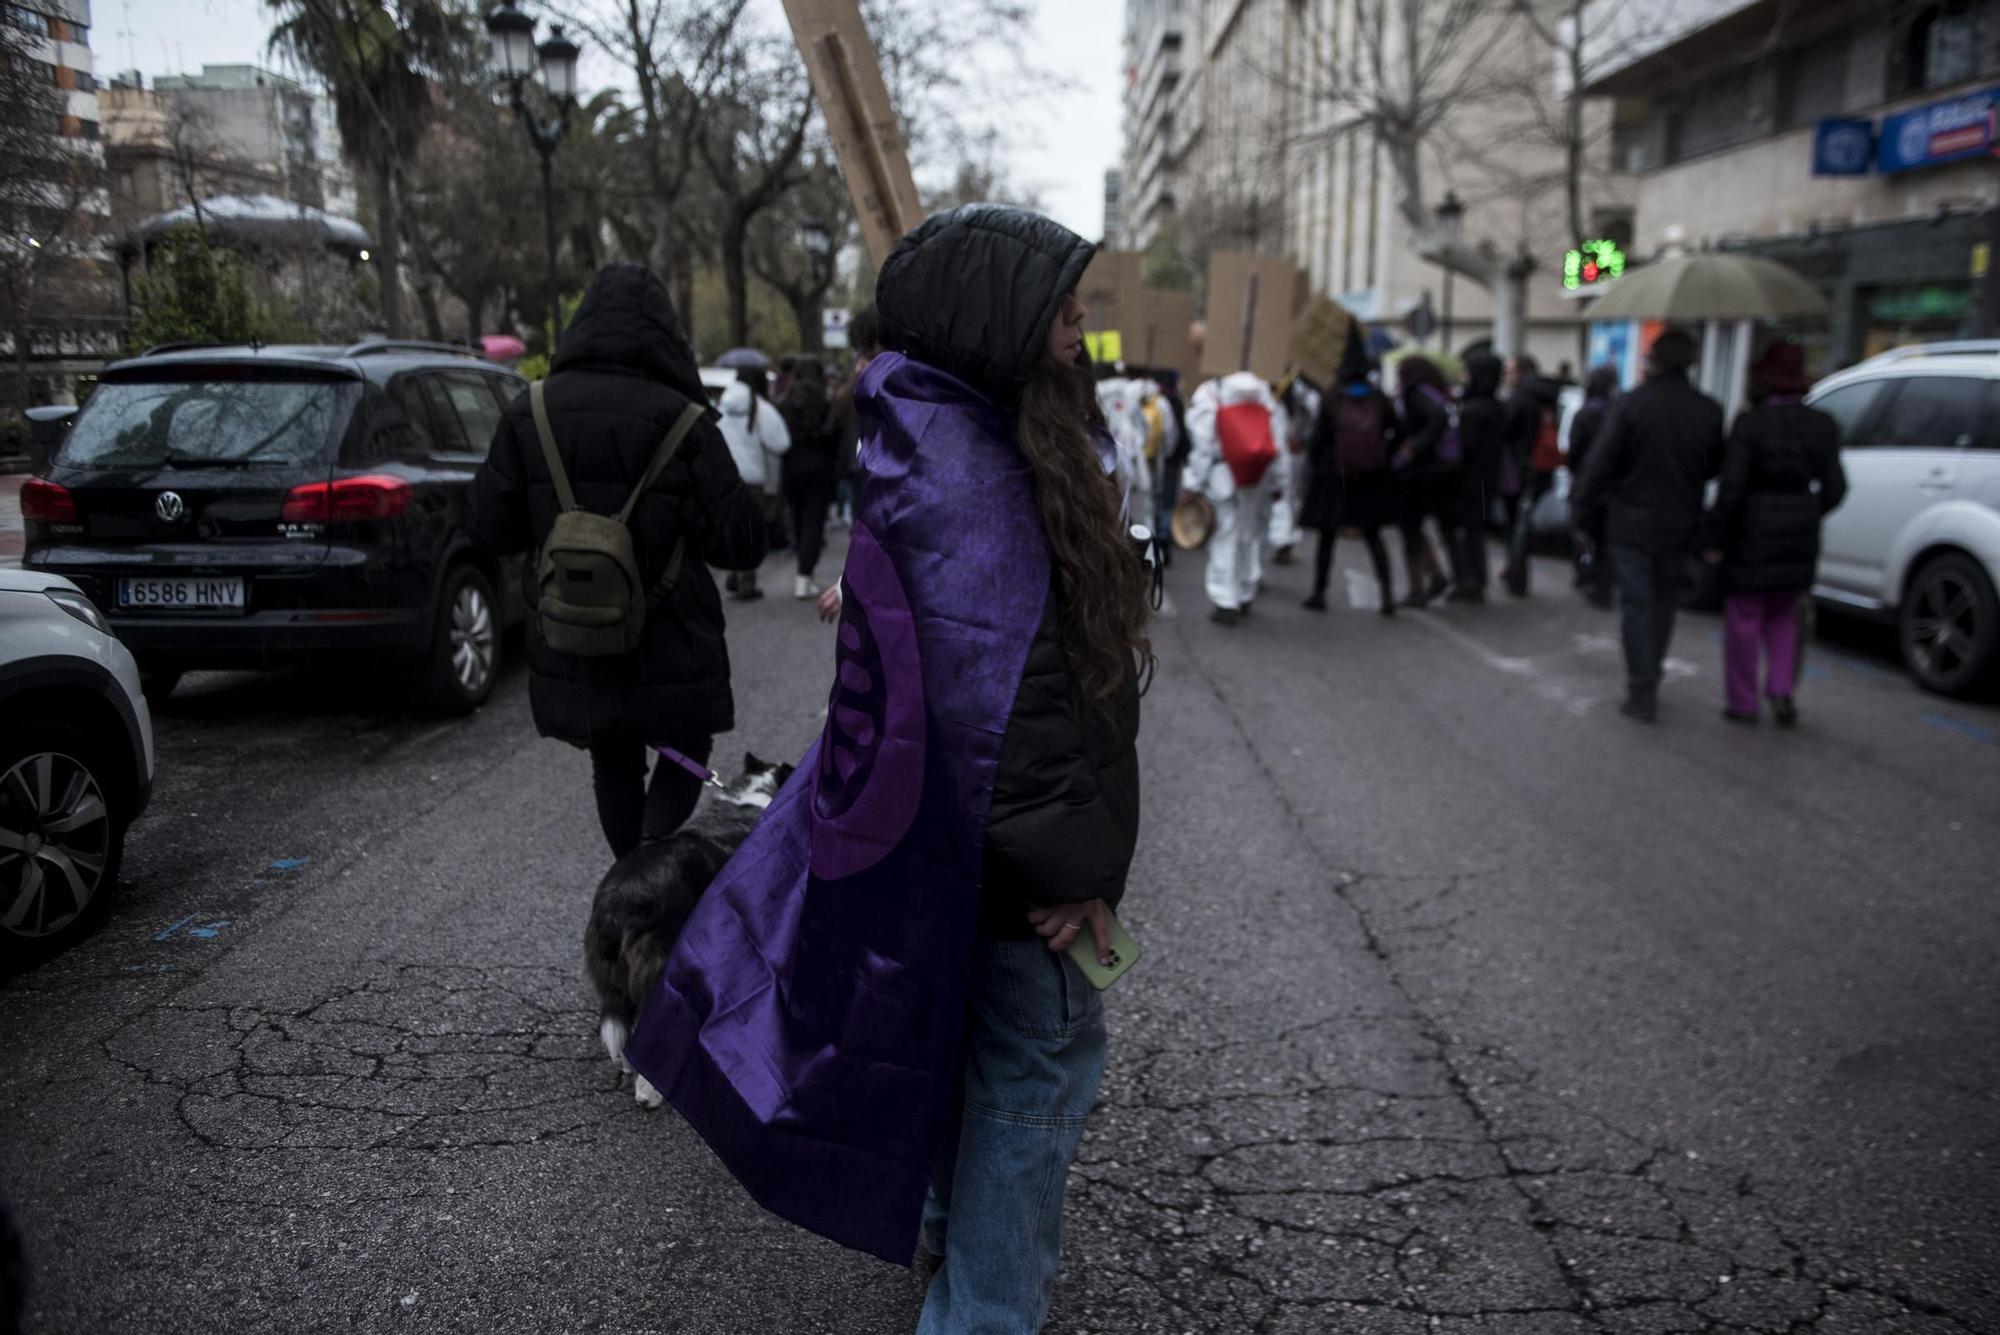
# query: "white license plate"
{"points": [[191, 594]]}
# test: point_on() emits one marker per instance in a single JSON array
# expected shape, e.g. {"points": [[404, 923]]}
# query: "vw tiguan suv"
{"points": [[247, 507], [1918, 538]]}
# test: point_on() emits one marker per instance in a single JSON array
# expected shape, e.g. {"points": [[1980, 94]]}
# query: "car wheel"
{"points": [[62, 835], [1951, 626], [465, 643]]}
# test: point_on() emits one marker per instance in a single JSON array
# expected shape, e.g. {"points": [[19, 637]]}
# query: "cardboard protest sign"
{"points": [[847, 81], [1253, 303], [1164, 342], [1112, 292], [1319, 339]]}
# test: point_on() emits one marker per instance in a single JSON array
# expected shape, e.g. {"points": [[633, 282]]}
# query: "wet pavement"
{"points": [[1465, 1007]]}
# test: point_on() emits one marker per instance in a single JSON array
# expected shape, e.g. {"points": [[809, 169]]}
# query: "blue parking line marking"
{"points": [[176, 927], [208, 930], [289, 864], [1975, 731]]}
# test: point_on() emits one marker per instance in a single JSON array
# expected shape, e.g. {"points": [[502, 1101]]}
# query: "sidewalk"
{"points": [[12, 536]]}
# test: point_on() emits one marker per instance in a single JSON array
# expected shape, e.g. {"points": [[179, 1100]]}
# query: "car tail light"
{"points": [[374, 496], [47, 502]]}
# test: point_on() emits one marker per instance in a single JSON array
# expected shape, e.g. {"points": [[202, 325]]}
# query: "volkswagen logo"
{"points": [[170, 507]]}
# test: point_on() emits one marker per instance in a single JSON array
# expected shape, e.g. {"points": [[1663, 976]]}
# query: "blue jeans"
{"points": [[1034, 1056]]}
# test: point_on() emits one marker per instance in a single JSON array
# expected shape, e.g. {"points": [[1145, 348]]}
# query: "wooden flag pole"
{"points": [[868, 140]]}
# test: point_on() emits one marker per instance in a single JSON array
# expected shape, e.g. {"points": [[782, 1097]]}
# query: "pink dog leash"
{"points": [[692, 766]]}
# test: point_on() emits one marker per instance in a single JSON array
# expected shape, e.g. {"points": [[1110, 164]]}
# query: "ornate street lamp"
{"points": [[515, 57], [816, 239], [1451, 218], [1450, 214]]}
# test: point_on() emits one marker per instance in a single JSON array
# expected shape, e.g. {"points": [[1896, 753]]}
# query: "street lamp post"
{"points": [[1451, 231], [514, 58], [817, 239]]}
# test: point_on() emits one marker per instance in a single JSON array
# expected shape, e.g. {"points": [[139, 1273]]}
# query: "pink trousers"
{"points": [[1750, 620]]}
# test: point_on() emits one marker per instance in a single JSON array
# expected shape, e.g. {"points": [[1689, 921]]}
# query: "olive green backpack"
{"points": [[590, 599]]}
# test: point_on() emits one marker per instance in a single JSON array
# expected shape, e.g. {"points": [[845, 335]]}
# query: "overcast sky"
{"points": [[1059, 144]]}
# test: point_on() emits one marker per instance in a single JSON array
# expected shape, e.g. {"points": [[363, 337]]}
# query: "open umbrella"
{"points": [[1709, 287], [502, 347], [743, 359]]}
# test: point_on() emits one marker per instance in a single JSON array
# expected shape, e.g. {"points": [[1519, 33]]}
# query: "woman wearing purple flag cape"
{"points": [[870, 1016]]}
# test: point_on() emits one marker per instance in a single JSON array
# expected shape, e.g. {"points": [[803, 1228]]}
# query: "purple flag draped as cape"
{"points": [[808, 1022]]}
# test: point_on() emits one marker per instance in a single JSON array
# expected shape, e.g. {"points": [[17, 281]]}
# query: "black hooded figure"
{"points": [[1352, 441], [623, 374], [1482, 436]]}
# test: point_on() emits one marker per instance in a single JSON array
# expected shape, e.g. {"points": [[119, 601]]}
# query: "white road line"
{"points": [[1525, 669]]}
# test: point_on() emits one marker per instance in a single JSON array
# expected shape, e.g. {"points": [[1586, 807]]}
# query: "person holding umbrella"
{"points": [[1643, 487]]}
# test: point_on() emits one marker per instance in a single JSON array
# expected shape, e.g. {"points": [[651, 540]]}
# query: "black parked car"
{"points": [[243, 507]]}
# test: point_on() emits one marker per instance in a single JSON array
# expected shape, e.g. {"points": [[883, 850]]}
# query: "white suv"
{"points": [[1918, 537], [76, 762]]}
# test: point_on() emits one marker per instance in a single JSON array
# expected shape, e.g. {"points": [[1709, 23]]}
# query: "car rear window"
{"points": [[146, 423]]}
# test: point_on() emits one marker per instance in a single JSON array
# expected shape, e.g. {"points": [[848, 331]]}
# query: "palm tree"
{"points": [[377, 59]]}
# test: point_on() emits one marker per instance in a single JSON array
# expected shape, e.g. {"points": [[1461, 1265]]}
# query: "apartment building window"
{"points": [[1715, 114], [1940, 45], [1813, 81], [1631, 135], [27, 20], [86, 82]]}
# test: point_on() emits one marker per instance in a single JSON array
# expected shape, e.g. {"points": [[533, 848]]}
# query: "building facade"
{"points": [[1264, 140], [1851, 139], [1149, 170], [59, 32], [1114, 196], [232, 129]]}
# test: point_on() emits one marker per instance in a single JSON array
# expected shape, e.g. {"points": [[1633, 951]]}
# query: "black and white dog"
{"points": [[644, 901]]}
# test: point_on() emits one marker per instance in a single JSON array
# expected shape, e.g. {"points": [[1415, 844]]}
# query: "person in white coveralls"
{"points": [[1238, 416]]}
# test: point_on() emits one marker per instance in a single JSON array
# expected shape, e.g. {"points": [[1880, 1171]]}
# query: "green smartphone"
{"points": [[1124, 954]]}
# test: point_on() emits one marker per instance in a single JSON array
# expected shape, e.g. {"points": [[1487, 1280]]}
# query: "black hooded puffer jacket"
{"points": [[973, 292], [622, 375]]}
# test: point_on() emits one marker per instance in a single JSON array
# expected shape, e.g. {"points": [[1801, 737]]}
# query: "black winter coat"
{"points": [[1482, 436], [1660, 445], [1584, 429], [1335, 498], [1781, 476], [622, 375], [1065, 815], [973, 291]]}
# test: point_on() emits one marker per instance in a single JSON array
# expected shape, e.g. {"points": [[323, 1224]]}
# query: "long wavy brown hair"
{"points": [[1101, 583]]}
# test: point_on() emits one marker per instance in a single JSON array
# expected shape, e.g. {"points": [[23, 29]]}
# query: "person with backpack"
{"points": [[1426, 468], [811, 467], [1353, 437], [1237, 461], [1482, 435], [613, 472], [758, 439]]}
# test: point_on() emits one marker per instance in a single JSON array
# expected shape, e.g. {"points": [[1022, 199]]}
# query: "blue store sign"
{"points": [[1843, 148], [1939, 133]]}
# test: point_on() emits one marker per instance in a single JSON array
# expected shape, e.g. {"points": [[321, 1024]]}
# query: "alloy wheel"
{"points": [[1944, 627], [472, 639], [55, 838]]}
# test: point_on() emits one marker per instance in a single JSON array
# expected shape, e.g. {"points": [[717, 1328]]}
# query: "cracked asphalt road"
{"points": [[1466, 1007]]}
